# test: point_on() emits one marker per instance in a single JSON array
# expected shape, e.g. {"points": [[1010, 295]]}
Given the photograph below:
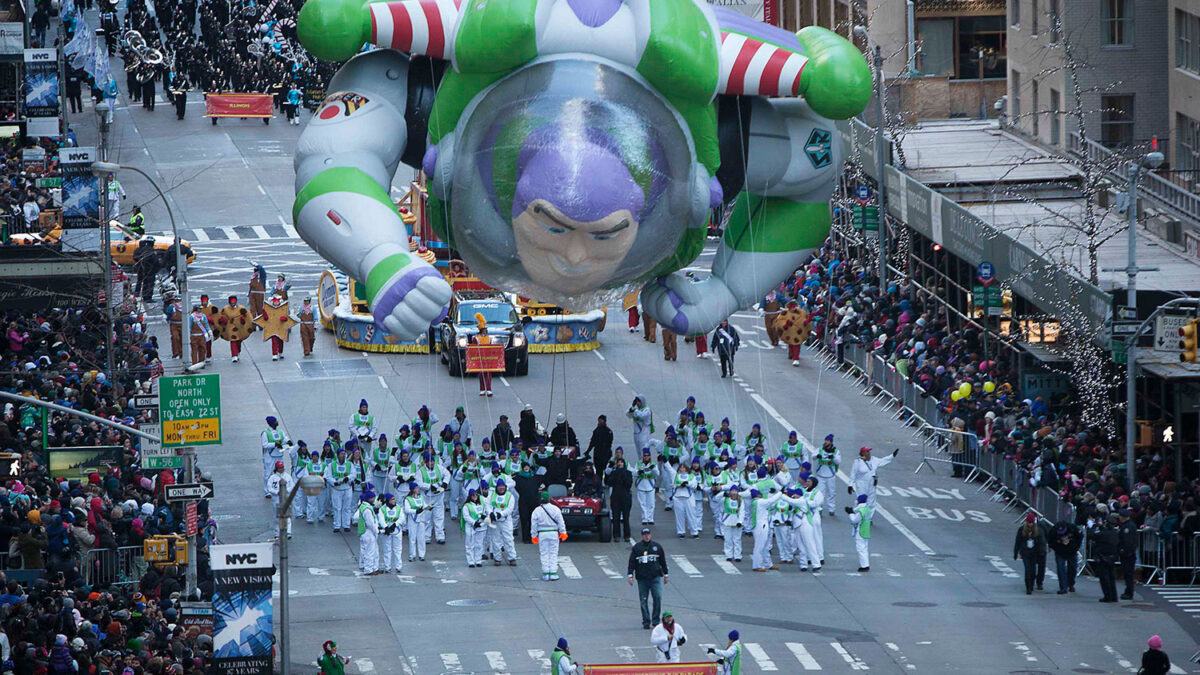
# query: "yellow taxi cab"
{"points": [[122, 244]]}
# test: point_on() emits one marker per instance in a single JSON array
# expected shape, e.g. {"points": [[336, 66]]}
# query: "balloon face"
{"points": [[572, 180]]}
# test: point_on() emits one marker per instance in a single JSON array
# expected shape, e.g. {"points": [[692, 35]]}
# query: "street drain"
{"points": [[985, 605], [914, 604]]}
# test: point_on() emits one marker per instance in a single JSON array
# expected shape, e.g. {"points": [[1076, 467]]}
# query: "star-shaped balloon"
{"points": [[275, 319]]}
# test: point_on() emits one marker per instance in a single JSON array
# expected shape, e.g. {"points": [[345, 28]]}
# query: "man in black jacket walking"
{"points": [[600, 446], [648, 564], [1065, 542], [502, 435]]}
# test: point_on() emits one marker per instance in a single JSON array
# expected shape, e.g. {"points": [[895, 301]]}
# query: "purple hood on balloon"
{"points": [[581, 174]]}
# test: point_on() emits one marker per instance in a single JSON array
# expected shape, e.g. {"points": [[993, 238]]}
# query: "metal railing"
{"points": [[1182, 201], [113, 566]]}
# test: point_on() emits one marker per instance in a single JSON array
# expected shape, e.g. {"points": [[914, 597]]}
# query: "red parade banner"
{"points": [[238, 105], [485, 358], [651, 669]]}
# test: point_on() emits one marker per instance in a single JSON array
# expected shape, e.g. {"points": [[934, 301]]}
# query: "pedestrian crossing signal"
{"points": [[1189, 341]]}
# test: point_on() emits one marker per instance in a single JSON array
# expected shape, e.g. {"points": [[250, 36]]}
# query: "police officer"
{"points": [[137, 222], [648, 564], [1106, 548], [1129, 539]]}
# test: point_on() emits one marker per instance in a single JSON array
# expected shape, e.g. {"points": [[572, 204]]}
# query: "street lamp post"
{"points": [[879, 163], [102, 168], [312, 486], [1151, 160]]}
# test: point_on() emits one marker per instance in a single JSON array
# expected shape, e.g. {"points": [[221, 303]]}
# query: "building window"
{"points": [[1187, 41], [1116, 120], [1033, 106], [1033, 16], [1055, 117], [1055, 22], [1015, 11], [1187, 147], [1116, 22]]}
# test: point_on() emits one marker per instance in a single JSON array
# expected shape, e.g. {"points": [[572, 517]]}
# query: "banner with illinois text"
{"points": [[651, 669], [238, 105], [242, 617]]}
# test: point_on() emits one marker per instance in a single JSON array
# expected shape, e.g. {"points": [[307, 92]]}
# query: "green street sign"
{"points": [[1119, 355], [865, 218], [189, 409], [51, 182], [172, 462], [993, 297]]}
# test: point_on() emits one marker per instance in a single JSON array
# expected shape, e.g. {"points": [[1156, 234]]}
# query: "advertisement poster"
{"points": [[78, 463], [80, 189], [242, 616], [41, 83]]}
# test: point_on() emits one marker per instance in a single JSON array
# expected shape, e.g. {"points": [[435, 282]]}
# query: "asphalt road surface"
{"points": [[943, 594]]}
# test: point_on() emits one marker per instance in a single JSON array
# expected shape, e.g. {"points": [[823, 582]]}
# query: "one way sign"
{"points": [[184, 492]]}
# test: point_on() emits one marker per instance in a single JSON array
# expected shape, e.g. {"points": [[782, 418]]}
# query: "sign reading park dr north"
{"points": [[189, 409]]}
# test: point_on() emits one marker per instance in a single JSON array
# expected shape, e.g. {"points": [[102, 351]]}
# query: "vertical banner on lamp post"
{"points": [[80, 200], [242, 619], [41, 83]]}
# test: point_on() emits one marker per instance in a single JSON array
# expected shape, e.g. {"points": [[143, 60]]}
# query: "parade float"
{"points": [[343, 307]]}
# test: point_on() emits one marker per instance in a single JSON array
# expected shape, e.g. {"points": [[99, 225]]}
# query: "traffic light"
{"points": [[1189, 341]]}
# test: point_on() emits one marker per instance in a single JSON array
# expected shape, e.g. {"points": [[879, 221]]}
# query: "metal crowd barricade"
{"points": [[113, 566], [1175, 553]]}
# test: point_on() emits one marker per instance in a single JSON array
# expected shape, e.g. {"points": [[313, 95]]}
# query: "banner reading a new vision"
{"points": [[41, 83], [80, 200], [242, 619]]}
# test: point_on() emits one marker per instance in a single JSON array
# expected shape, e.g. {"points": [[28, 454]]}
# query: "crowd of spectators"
{"points": [[70, 600], [22, 201], [914, 333]]}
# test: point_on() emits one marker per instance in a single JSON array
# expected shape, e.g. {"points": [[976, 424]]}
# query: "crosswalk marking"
{"points": [[726, 566], [496, 662], [806, 660], [539, 657], [850, 659], [568, 567], [1121, 660], [900, 657], [451, 664], [626, 653], [408, 665], [199, 235], [686, 565], [760, 656], [364, 665], [606, 566], [1024, 650], [260, 231], [999, 564]]}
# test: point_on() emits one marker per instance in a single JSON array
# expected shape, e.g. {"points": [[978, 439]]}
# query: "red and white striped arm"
{"points": [[751, 67], [419, 27]]}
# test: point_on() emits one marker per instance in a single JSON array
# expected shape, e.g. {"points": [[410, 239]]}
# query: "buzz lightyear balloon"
{"points": [[574, 149]]}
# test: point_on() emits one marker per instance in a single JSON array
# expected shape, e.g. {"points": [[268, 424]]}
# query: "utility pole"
{"points": [[1151, 160]]}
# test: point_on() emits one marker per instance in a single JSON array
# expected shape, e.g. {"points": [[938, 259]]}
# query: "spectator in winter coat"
{"points": [[1065, 541], [1030, 547]]}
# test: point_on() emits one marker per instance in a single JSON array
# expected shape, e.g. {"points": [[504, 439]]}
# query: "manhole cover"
{"points": [[1087, 670], [914, 604], [941, 556], [471, 602], [985, 605], [1029, 672], [1142, 606]]}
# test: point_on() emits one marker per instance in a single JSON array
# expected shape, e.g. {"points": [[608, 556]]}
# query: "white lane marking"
{"points": [[852, 660], [625, 653], [318, 572], [1025, 651], [620, 377], [539, 656], [1008, 572], [200, 234], [891, 572], [726, 566], [260, 231], [806, 660], [931, 569], [568, 567], [382, 382], [900, 658], [887, 515], [1121, 660], [686, 565], [260, 189], [364, 665], [146, 151], [408, 665], [606, 566], [599, 355], [451, 664], [504, 381], [760, 656], [440, 568], [496, 662], [232, 234]]}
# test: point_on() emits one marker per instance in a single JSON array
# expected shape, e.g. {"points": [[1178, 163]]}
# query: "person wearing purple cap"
{"points": [[339, 476], [500, 527], [273, 441], [434, 480], [416, 518], [792, 452], [474, 524], [362, 426], [827, 462]]}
